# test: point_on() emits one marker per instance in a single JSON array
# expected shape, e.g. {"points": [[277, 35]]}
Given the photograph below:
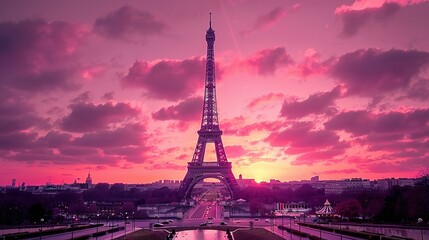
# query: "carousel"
{"points": [[326, 213]]}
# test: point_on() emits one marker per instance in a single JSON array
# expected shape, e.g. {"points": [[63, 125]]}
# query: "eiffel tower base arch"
{"points": [[200, 171]]}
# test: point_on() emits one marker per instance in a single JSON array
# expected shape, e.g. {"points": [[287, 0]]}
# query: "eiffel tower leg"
{"points": [[200, 150], [220, 151], [185, 185]]}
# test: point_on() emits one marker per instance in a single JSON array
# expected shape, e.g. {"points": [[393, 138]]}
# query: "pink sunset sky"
{"points": [[338, 89]]}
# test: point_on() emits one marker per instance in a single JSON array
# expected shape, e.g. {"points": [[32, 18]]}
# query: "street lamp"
{"points": [[98, 219], [126, 221], [111, 236], [41, 227], [72, 227], [282, 223], [134, 223], [272, 221]]}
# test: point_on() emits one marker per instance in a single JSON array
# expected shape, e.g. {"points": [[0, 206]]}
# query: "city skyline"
{"points": [[337, 89]]}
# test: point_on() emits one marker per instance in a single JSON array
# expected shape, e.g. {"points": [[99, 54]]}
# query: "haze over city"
{"points": [[337, 89]]}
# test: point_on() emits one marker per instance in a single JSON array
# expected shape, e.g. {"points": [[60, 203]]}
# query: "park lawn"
{"points": [[146, 235], [255, 234]]}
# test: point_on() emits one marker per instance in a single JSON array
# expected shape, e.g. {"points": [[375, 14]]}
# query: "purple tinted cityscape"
{"points": [[366, 168]]}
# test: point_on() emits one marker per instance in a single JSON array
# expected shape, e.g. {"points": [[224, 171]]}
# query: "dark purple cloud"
{"points": [[125, 151], [46, 155], [268, 61], [338, 171], [54, 139], [309, 158], [129, 135], [267, 19], [264, 100], [355, 122], [34, 43], [312, 145], [186, 110], [418, 91], [9, 124], [237, 126], [108, 96], [312, 64], [21, 138], [134, 154], [38, 154], [12, 104], [408, 154], [319, 103], [17, 140], [16, 114], [408, 123], [398, 145], [354, 20], [300, 135], [167, 79], [313, 155], [420, 134], [400, 135], [86, 117], [83, 97], [167, 165], [369, 72], [45, 81], [36, 55], [372, 137], [77, 151], [102, 147], [395, 165], [363, 122], [129, 23]]}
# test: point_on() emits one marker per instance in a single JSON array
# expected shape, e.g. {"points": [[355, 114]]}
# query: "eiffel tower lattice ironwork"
{"points": [[209, 133]]}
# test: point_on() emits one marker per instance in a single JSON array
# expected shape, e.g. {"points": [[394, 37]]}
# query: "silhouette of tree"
{"points": [[350, 209], [395, 206], [36, 212]]}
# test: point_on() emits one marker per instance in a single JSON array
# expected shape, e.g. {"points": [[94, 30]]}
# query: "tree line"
{"points": [[403, 205]]}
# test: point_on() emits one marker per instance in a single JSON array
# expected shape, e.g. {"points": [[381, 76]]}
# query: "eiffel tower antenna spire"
{"points": [[210, 20]]}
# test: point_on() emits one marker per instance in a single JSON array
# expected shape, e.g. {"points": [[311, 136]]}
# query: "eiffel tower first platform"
{"points": [[209, 133]]}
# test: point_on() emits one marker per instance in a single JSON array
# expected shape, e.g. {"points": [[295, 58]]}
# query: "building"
{"points": [[352, 184], [387, 183], [291, 209], [242, 182], [88, 181]]}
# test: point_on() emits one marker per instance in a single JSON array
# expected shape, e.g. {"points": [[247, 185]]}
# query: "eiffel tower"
{"points": [[209, 133]]}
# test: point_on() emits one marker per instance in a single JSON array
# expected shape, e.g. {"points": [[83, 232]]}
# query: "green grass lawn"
{"points": [[255, 234], [146, 235]]}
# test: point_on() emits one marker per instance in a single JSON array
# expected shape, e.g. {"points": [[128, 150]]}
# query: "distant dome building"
{"points": [[88, 180]]}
